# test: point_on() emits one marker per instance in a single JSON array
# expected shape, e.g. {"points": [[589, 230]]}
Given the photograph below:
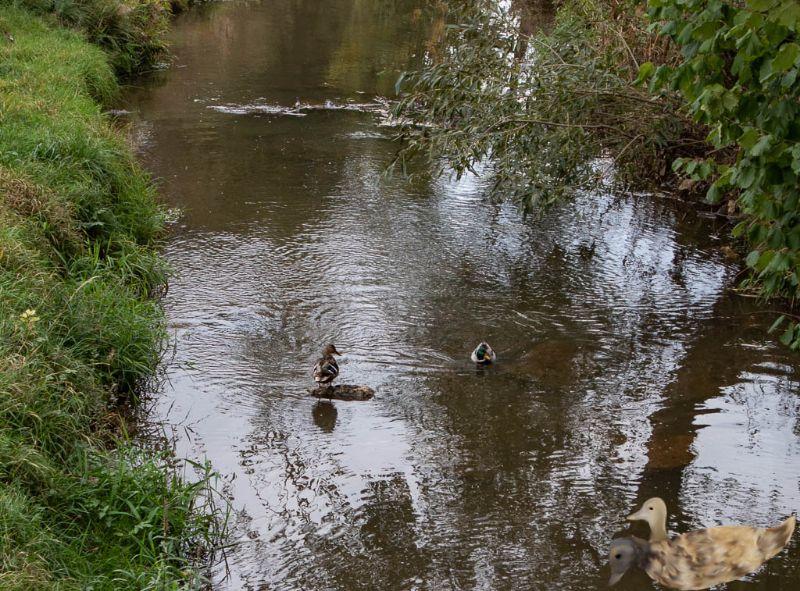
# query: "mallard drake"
{"points": [[326, 369], [483, 354], [698, 559]]}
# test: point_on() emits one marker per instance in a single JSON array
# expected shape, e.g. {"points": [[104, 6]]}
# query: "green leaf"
{"points": [[686, 33], [761, 146], [786, 57], [749, 138], [796, 159], [765, 259], [788, 15], [788, 335], [730, 101], [761, 5], [679, 164], [775, 325], [399, 84], [745, 176], [752, 258], [646, 70], [660, 77], [707, 30], [765, 71], [714, 137]]}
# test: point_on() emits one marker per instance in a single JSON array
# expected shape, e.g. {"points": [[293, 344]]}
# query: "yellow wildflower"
{"points": [[29, 317]]}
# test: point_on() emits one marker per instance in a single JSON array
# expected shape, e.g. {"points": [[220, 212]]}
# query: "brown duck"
{"points": [[326, 369], [698, 559]]}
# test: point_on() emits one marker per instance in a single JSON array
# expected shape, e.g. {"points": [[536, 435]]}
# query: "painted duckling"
{"points": [[326, 369], [483, 354], [698, 559]]}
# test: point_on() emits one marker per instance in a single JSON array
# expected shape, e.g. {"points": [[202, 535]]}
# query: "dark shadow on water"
{"points": [[324, 414]]}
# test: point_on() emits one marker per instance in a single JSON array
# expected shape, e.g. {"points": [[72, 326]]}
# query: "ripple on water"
{"points": [[625, 370], [747, 453], [378, 106]]}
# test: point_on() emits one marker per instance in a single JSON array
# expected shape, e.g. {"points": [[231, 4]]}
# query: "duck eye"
{"points": [[650, 508], [618, 556]]}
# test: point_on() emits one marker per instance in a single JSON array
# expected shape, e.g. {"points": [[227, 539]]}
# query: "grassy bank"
{"points": [[79, 509], [131, 32]]}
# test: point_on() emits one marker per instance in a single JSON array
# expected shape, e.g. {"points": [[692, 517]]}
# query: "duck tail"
{"points": [[775, 538]]}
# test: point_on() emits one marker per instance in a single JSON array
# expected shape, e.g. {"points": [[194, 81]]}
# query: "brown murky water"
{"points": [[626, 370]]}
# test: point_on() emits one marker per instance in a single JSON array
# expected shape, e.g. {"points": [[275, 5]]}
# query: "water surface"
{"points": [[627, 368]]}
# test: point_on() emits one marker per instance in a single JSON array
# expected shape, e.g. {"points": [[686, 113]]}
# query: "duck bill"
{"points": [[638, 516], [614, 579]]}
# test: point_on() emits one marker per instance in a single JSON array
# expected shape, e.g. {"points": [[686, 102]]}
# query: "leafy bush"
{"points": [[722, 108], [540, 110], [739, 76]]}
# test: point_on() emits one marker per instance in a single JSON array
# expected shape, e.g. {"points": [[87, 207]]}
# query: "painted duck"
{"points": [[483, 354], [326, 369], [698, 559], [654, 513]]}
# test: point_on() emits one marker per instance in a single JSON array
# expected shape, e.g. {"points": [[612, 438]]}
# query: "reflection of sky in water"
{"points": [[748, 452], [619, 348]]}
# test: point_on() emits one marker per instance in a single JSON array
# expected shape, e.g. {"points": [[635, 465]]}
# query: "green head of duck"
{"points": [[483, 354]]}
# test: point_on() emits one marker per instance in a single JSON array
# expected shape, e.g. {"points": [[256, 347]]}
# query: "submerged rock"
{"points": [[343, 392]]}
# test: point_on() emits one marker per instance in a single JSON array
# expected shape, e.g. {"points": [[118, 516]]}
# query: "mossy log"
{"points": [[343, 392]]}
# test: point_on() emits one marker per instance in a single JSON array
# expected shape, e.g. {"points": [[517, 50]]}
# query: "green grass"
{"points": [[80, 506], [132, 32]]}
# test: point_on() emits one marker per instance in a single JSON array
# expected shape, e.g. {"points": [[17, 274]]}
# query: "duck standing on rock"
{"points": [[698, 559], [326, 369], [483, 354]]}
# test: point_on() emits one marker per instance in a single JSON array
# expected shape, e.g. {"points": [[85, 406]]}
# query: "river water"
{"points": [[626, 368]]}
